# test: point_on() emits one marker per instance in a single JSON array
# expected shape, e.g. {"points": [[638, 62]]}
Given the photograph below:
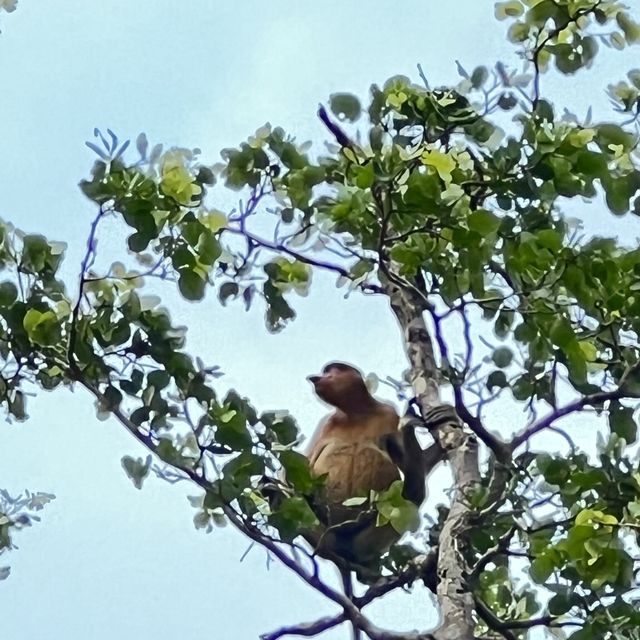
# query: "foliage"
{"points": [[455, 197], [8, 5], [16, 513]]}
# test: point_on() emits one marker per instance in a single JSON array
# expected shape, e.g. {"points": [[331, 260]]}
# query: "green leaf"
{"points": [[136, 469], [133, 386], [560, 604], [208, 248], [612, 135], [292, 516], [43, 328], [630, 28], [242, 468], [40, 256], [140, 415], [399, 512], [511, 9], [8, 294], [191, 285], [503, 322], [364, 175], [177, 182], [283, 426], [442, 162], [497, 379], [594, 516], [167, 451], [158, 379], [297, 471], [561, 333], [17, 405], [591, 163], [345, 105], [541, 12], [355, 502], [589, 350], [622, 423], [550, 239], [212, 500], [522, 388], [278, 310], [228, 290], [518, 32], [111, 399], [231, 429], [634, 509], [618, 191], [479, 77], [483, 222], [242, 406], [541, 568], [502, 357]]}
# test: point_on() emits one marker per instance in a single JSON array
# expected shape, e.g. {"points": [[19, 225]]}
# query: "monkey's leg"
{"points": [[405, 451]]}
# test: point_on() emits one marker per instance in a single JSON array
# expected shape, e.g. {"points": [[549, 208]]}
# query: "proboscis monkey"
{"points": [[360, 448]]}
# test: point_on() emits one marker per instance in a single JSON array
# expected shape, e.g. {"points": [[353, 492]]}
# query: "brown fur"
{"points": [[346, 445], [359, 449]]}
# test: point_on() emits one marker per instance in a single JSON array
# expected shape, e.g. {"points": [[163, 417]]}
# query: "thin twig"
{"points": [[321, 264], [307, 629], [593, 399]]}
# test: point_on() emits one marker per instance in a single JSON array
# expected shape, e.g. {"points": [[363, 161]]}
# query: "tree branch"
{"points": [[321, 264], [86, 261], [351, 611], [505, 627], [423, 566], [307, 629], [341, 137], [500, 547], [453, 595], [500, 449], [577, 405]]}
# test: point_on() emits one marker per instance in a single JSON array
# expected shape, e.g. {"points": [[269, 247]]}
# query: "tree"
{"points": [[425, 200]]}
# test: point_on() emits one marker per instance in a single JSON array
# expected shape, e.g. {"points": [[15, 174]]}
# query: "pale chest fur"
{"points": [[350, 456]]}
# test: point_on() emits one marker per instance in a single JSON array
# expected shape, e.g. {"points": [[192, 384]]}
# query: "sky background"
{"points": [[109, 561]]}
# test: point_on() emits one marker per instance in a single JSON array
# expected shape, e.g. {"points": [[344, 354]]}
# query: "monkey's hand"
{"points": [[440, 415], [435, 417]]}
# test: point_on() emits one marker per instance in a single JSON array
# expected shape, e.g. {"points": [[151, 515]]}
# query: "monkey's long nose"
{"points": [[313, 379]]}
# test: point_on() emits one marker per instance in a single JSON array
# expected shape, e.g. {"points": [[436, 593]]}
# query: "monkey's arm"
{"points": [[405, 451]]}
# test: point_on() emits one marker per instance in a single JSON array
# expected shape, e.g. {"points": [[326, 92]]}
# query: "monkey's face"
{"points": [[337, 382]]}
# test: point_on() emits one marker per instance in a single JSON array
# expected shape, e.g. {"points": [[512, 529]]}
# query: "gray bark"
{"points": [[454, 596]]}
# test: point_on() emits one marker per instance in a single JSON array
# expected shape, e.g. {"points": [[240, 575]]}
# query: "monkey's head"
{"points": [[339, 384]]}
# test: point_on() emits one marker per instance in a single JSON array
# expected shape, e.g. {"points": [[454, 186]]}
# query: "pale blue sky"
{"points": [[109, 561]]}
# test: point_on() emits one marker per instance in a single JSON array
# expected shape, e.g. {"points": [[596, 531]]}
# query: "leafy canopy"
{"points": [[453, 193]]}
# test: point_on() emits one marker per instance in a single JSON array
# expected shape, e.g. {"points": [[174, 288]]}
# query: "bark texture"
{"points": [[453, 593]]}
